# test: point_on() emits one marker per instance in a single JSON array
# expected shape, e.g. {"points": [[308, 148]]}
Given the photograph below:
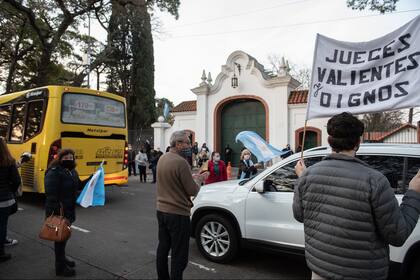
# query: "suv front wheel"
{"points": [[216, 238]]}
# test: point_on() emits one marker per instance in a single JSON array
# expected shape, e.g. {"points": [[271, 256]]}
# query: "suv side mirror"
{"points": [[259, 187]]}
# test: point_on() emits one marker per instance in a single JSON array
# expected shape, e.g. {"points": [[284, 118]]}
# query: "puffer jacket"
{"points": [[350, 216], [9, 182]]}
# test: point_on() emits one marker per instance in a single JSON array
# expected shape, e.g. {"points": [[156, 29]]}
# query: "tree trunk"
{"points": [[43, 67]]}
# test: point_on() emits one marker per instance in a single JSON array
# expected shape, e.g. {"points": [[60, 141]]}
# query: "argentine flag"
{"points": [[93, 193], [258, 147], [166, 110]]}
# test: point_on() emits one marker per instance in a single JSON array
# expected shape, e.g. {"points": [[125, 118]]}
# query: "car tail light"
{"points": [[54, 150], [125, 160]]}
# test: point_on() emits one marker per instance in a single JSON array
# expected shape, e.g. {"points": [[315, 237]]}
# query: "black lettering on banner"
{"points": [[321, 74], [353, 102], [414, 63], [334, 59], [340, 96], [376, 73], [348, 57], [357, 58], [369, 97], [352, 77], [388, 69], [403, 92], [363, 77], [388, 92], [339, 82], [371, 57], [404, 42], [325, 99], [398, 66], [331, 77], [388, 50]]}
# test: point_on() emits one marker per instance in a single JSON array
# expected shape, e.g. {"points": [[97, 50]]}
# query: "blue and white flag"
{"points": [[93, 193], [258, 147], [166, 110]]}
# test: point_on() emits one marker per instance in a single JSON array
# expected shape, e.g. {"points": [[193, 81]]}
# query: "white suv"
{"points": [[258, 211]]}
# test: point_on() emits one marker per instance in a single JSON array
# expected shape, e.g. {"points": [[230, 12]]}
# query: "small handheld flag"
{"points": [[93, 193]]}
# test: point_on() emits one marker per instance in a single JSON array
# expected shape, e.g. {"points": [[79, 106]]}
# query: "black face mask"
{"points": [[69, 164], [186, 153]]}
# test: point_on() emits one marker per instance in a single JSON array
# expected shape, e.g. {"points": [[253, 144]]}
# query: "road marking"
{"points": [[20, 209], [200, 266], [80, 229]]}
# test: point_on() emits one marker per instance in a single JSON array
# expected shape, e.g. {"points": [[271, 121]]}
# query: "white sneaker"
{"points": [[10, 242]]}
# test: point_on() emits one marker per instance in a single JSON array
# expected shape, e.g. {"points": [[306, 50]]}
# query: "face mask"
{"points": [[247, 157], [186, 152], [216, 158], [69, 164]]}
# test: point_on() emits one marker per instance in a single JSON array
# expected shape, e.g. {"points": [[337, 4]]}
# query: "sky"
{"points": [[208, 31]]}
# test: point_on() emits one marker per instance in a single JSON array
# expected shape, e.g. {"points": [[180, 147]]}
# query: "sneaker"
{"points": [[10, 242]]}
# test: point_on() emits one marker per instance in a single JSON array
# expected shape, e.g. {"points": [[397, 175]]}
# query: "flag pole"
{"points": [[303, 139]]}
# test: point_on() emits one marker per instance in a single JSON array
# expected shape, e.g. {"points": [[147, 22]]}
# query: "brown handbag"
{"points": [[56, 228]]}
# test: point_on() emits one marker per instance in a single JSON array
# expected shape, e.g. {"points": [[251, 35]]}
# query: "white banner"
{"points": [[375, 76]]}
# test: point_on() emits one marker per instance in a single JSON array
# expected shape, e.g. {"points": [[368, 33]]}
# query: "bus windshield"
{"points": [[87, 109]]}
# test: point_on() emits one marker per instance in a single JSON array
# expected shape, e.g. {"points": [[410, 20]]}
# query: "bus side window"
{"points": [[5, 112], [18, 118], [34, 121]]}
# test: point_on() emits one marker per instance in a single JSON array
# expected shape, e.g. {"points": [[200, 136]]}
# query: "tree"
{"points": [[160, 105], [54, 24], [382, 122], [302, 74], [383, 6]]}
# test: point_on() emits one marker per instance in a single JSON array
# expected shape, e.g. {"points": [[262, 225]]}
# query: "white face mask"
{"points": [[216, 158], [247, 157]]}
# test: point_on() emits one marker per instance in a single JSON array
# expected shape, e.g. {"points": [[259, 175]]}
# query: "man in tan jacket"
{"points": [[175, 187]]}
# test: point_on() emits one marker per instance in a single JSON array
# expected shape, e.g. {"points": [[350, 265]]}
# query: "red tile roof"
{"points": [[407, 125], [186, 106], [298, 97]]}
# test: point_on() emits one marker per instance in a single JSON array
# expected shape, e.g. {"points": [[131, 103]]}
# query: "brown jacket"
{"points": [[175, 185]]}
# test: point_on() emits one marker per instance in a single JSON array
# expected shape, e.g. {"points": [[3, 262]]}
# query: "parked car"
{"points": [[229, 215]]}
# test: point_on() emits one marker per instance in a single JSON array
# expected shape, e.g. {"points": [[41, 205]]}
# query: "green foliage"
{"points": [[383, 6]]}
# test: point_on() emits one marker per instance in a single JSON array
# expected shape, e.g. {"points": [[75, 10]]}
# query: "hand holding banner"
{"points": [[374, 76]]}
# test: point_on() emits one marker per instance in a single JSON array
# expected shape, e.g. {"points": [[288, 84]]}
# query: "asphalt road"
{"points": [[119, 240]]}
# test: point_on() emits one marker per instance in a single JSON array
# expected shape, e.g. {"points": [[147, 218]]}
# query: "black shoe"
{"points": [[61, 269], [70, 263], [5, 257]]}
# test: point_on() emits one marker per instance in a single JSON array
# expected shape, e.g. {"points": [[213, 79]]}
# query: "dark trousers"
{"points": [[4, 217], [132, 168], [60, 252], [142, 171], [154, 173], [174, 236]]}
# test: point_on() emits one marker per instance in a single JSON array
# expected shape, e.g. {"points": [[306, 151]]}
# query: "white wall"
{"points": [[183, 120], [407, 135]]}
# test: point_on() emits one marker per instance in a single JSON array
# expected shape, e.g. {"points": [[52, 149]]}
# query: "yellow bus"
{"points": [[44, 120]]}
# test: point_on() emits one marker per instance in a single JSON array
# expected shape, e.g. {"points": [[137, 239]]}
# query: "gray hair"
{"points": [[177, 136]]}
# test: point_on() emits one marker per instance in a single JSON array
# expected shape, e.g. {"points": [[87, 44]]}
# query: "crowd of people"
{"points": [[339, 188]]}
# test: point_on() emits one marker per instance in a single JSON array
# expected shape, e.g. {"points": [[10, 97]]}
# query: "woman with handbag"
{"points": [[61, 185], [9, 184]]}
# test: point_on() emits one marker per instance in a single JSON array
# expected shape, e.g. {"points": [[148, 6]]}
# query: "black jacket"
{"points": [[9, 182], [248, 170], [61, 187]]}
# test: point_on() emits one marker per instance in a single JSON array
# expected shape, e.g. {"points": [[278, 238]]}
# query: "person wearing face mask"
{"points": [[61, 186], [216, 169], [246, 167], [175, 187]]}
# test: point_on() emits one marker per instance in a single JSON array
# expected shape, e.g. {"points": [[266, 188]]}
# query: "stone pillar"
{"points": [[159, 133], [202, 91]]}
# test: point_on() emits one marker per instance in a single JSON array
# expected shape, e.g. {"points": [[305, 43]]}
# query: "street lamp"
{"points": [[234, 81]]}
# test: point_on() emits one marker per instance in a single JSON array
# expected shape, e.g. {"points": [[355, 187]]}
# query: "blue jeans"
{"points": [[4, 217]]}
